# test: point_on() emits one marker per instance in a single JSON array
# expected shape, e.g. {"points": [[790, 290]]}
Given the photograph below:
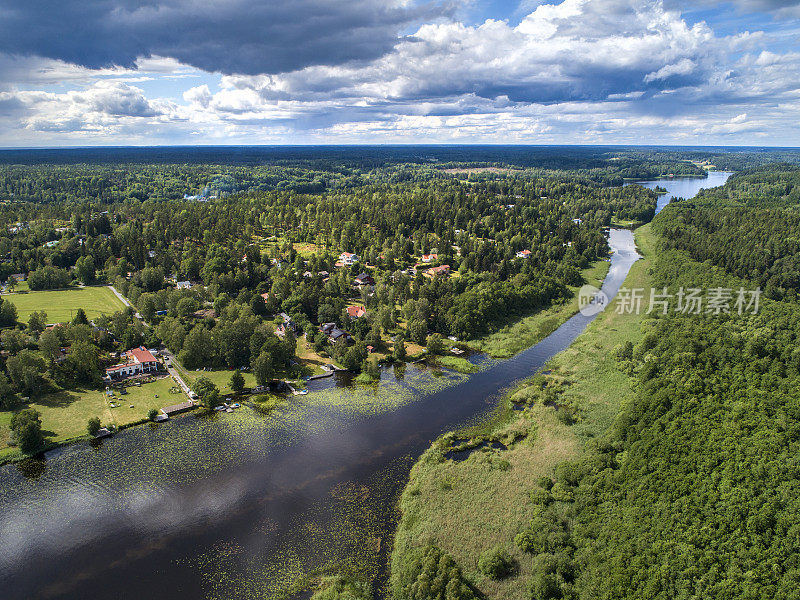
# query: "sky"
{"points": [[155, 72]]}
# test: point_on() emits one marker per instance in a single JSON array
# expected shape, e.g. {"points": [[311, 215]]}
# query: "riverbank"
{"points": [[66, 413], [470, 502], [533, 328]]}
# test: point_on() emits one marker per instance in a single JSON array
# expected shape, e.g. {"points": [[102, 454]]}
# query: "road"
{"points": [[169, 359], [122, 298]]}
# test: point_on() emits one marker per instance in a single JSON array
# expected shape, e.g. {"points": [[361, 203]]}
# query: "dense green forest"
{"points": [[750, 227], [244, 245], [694, 491]]}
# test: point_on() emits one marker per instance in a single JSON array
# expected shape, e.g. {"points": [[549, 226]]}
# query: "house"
{"points": [[428, 258], [364, 279], [348, 258], [205, 313], [356, 312], [434, 271], [265, 296], [19, 277], [137, 361], [577, 221], [183, 285], [524, 254], [335, 334], [288, 323]]}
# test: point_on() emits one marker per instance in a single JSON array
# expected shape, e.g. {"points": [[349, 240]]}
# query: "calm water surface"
{"points": [[242, 505], [685, 187]]}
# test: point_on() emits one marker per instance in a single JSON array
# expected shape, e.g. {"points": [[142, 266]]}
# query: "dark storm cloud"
{"points": [[228, 37]]}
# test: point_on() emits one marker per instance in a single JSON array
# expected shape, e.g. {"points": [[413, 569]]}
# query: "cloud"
{"points": [[106, 106], [783, 9], [582, 50], [594, 71], [235, 36]]}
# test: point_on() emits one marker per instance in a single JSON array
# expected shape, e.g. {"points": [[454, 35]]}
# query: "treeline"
{"points": [[750, 227], [244, 245]]}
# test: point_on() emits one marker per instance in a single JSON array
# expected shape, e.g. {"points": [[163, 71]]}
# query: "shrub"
{"points": [[152, 414], [541, 496], [93, 426], [429, 574], [544, 586], [342, 588], [495, 563]]}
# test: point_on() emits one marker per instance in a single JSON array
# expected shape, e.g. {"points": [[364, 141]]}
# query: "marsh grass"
{"points": [[457, 363]]}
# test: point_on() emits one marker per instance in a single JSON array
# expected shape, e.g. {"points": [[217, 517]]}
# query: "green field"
{"points": [[468, 507], [530, 330], [65, 414], [61, 305], [220, 377]]}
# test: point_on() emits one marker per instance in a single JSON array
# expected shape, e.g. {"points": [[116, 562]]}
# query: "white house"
{"points": [[138, 360], [348, 258], [524, 254]]}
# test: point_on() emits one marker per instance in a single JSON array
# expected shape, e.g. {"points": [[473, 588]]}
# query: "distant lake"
{"points": [[685, 187]]}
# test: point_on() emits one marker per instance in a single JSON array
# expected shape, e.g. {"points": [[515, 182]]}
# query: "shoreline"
{"points": [[547, 319]]}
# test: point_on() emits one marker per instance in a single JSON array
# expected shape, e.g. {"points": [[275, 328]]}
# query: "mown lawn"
{"points": [[470, 506], [529, 330], [220, 377], [61, 305], [65, 414]]}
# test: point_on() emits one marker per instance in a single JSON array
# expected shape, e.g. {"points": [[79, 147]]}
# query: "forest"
{"points": [[750, 227], [693, 493]]}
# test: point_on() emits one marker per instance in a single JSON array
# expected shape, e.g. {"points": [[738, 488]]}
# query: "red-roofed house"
{"points": [[137, 360], [356, 312], [441, 270], [426, 258], [524, 254]]}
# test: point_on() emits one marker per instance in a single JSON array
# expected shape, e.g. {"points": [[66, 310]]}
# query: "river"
{"points": [[244, 505]]}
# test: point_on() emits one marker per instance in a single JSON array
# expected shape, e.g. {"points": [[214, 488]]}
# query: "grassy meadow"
{"points": [[470, 506], [61, 305], [65, 413]]}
